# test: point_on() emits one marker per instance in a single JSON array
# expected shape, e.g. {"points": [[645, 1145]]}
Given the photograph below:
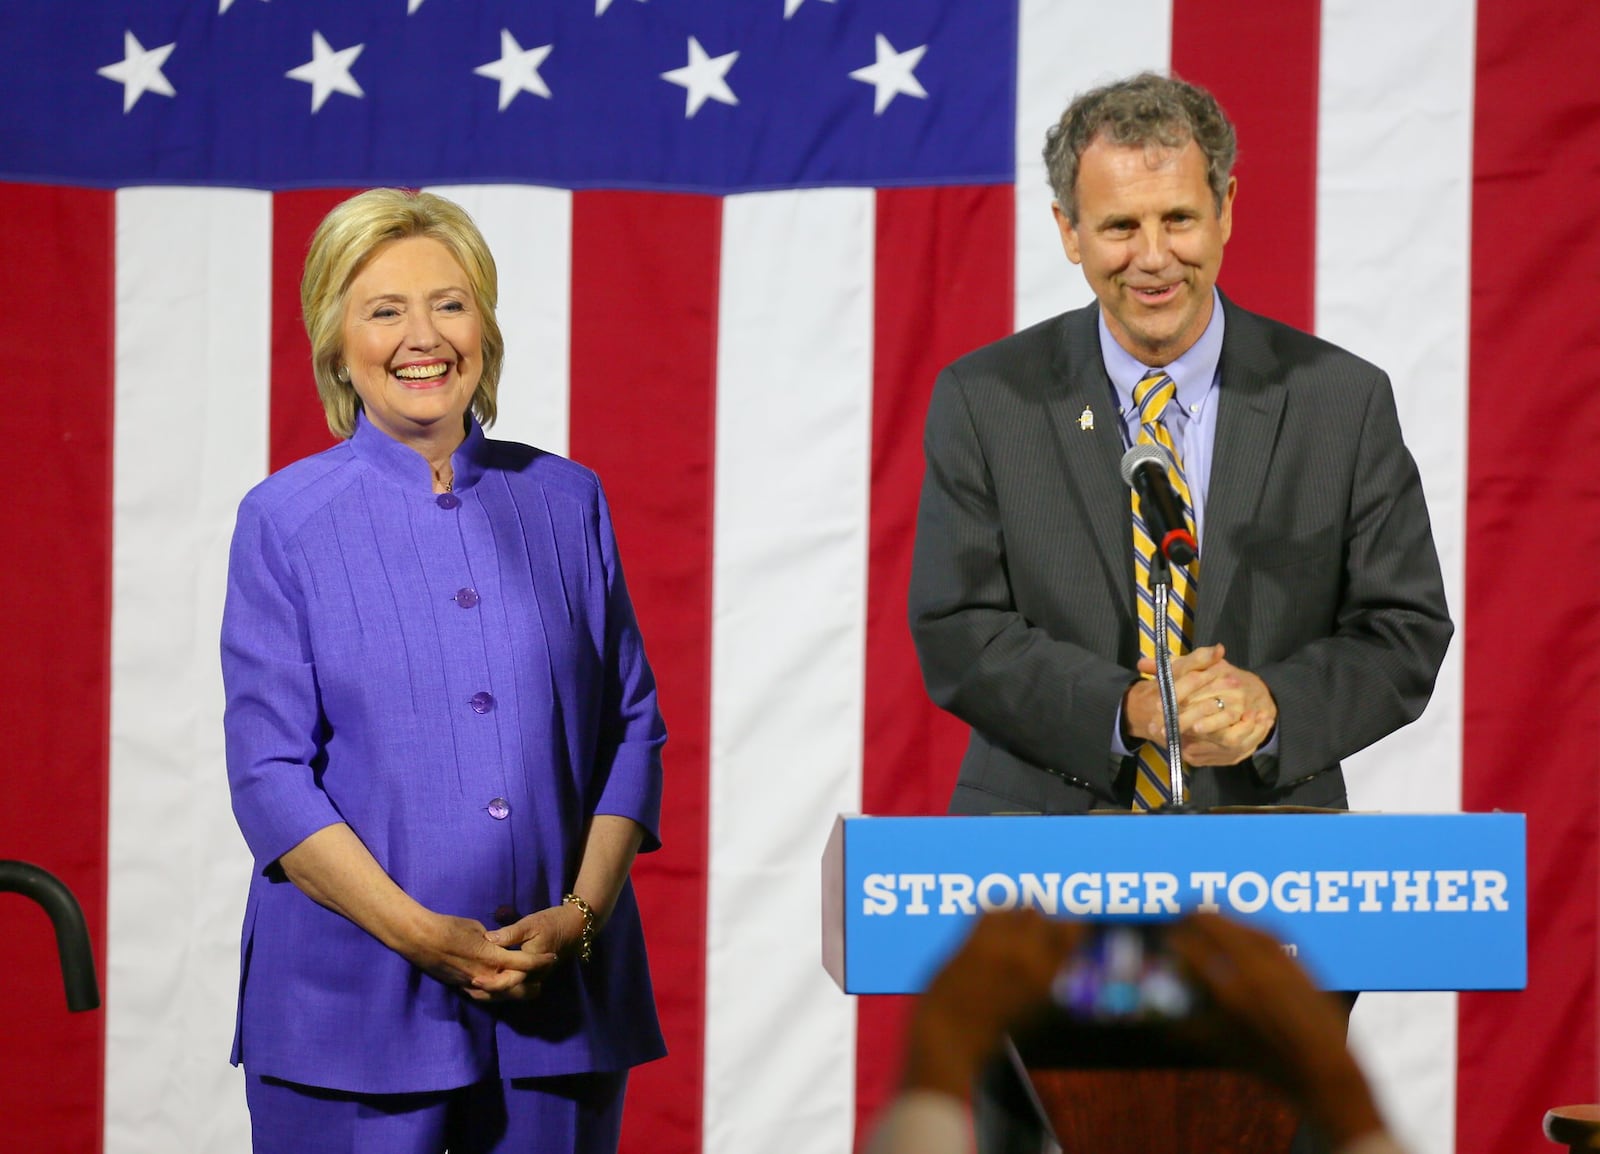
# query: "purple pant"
{"points": [[577, 1113]]}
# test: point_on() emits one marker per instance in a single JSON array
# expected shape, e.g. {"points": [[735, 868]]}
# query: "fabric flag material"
{"points": [[737, 239]]}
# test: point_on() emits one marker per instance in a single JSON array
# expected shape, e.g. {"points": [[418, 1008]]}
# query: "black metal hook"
{"points": [[72, 933]]}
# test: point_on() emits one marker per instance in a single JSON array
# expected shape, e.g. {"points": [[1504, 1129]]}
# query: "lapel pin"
{"points": [[1086, 419]]}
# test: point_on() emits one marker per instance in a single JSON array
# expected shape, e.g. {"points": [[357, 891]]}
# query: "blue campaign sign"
{"points": [[1365, 901]]}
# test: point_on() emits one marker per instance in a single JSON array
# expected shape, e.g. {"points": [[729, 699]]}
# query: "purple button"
{"points": [[505, 915], [466, 597], [447, 501], [499, 809], [481, 702]]}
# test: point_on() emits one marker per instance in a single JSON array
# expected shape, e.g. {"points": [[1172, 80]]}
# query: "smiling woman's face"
{"points": [[413, 342]]}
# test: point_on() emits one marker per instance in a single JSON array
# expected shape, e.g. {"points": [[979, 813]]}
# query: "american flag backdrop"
{"points": [[737, 238]]}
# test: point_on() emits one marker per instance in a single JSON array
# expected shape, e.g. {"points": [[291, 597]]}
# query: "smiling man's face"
{"points": [[1149, 236]]}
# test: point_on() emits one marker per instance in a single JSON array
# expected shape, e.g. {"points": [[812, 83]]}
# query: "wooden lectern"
{"points": [[1173, 1111], [1121, 1090]]}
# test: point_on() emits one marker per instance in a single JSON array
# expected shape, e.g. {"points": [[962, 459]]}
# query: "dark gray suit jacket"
{"points": [[1317, 568]]}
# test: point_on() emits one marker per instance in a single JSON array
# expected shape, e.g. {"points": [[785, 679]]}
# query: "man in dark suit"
{"points": [[1321, 620], [1317, 613]]}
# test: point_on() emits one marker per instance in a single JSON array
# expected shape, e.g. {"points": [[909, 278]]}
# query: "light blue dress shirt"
{"points": [[1191, 418]]}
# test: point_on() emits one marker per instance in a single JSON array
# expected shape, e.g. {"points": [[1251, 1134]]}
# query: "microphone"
{"points": [[1144, 467]]}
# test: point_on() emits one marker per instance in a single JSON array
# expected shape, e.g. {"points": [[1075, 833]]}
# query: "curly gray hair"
{"points": [[1144, 110]]}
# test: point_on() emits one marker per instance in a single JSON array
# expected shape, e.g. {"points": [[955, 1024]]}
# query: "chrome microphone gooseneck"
{"points": [[1161, 587]]}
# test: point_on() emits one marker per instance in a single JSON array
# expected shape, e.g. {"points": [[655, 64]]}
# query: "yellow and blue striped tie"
{"points": [[1152, 395]]}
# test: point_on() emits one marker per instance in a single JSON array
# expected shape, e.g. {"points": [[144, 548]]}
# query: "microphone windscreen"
{"points": [[1137, 456]]}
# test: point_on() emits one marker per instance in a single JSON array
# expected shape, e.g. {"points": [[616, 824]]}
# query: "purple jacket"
{"points": [[460, 678]]}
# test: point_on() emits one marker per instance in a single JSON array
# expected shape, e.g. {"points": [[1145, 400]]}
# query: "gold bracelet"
{"points": [[586, 946]]}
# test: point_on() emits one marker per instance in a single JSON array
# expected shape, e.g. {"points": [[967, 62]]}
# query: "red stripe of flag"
{"points": [[645, 270], [943, 286], [56, 621], [298, 426], [1533, 613], [1261, 62]]}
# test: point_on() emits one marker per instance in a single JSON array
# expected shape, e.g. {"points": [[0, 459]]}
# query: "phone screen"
{"points": [[1122, 1001], [1124, 974]]}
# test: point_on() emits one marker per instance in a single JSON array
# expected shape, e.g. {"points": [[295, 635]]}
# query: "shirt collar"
{"points": [[408, 468], [1194, 373]]}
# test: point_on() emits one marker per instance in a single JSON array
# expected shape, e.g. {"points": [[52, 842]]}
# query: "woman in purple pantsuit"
{"points": [[439, 720]]}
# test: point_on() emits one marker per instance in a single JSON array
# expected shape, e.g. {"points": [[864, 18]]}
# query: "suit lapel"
{"points": [[1249, 409], [1092, 454]]}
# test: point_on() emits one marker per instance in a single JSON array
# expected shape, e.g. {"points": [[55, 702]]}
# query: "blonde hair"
{"points": [[345, 241]]}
